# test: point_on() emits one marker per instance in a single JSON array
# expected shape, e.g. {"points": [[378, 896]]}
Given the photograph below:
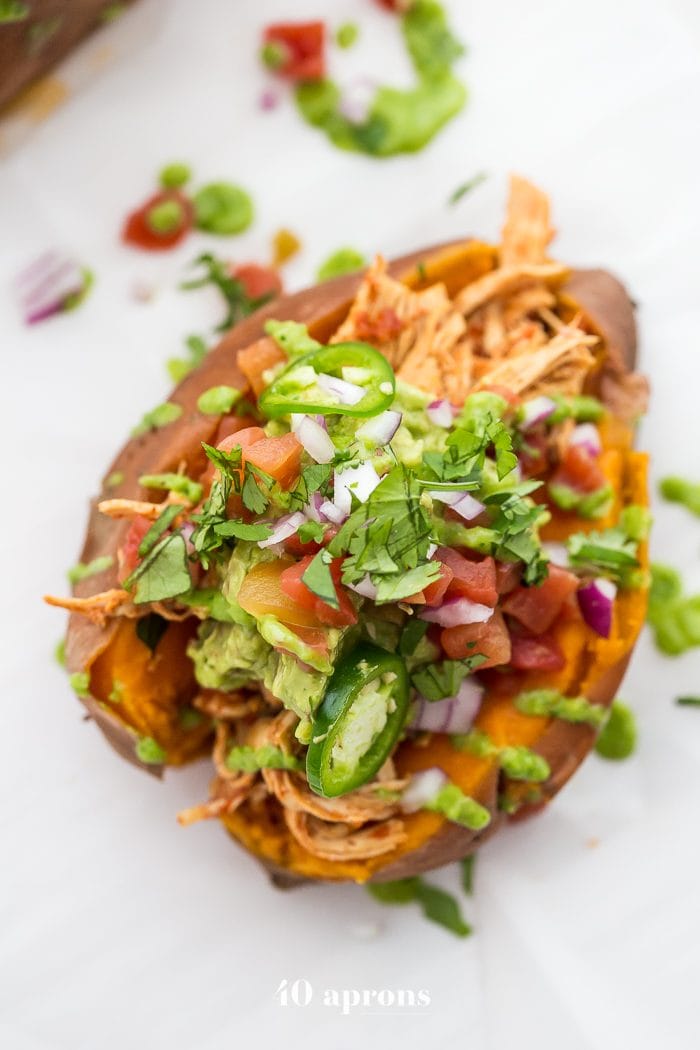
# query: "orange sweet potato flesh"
{"points": [[594, 666]]}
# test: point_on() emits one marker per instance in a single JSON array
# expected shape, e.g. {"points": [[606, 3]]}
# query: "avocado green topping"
{"points": [[618, 737]]}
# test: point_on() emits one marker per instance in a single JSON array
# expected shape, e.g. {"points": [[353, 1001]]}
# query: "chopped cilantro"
{"points": [[180, 483], [436, 681], [467, 872], [150, 629], [159, 526], [163, 573], [466, 187], [688, 701], [217, 272], [218, 400], [413, 633], [437, 906], [241, 530], [228, 463], [319, 580], [611, 552], [83, 571], [247, 759], [314, 478], [158, 417], [311, 532], [150, 751]]}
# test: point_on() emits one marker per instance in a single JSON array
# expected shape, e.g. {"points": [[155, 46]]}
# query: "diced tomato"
{"points": [[140, 234], [397, 6], [472, 579], [435, 591], [293, 585], [256, 359], [280, 457], [261, 594], [129, 553], [295, 50], [491, 639], [293, 545], [379, 327], [508, 575], [229, 425], [536, 608], [244, 437], [535, 654], [579, 470], [258, 281]]}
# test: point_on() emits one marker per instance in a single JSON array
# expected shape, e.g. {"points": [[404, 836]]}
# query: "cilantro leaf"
{"points": [[311, 531], [228, 463], [254, 499], [437, 905], [611, 552], [437, 681], [217, 272], [159, 526], [243, 531], [314, 478], [413, 633], [163, 573], [394, 588], [319, 580]]}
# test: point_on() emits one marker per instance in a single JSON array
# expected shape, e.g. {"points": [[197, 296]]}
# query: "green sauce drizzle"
{"points": [[399, 121], [618, 737]]}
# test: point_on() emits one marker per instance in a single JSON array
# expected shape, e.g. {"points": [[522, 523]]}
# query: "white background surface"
{"points": [[119, 929]]}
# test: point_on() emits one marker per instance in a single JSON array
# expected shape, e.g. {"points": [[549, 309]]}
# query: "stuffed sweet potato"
{"points": [[383, 554]]}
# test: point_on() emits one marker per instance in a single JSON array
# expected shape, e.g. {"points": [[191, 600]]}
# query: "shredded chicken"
{"points": [[136, 508], [97, 607], [228, 796], [527, 230], [227, 705], [339, 841], [416, 331], [559, 367], [504, 282]]}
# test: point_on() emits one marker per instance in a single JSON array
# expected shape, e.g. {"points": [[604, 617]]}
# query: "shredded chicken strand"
{"points": [[340, 842], [97, 607], [504, 282], [561, 366], [228, 706], [527, 230], [136, 508]]}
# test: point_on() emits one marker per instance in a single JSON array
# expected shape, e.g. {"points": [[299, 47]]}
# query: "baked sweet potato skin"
{"points": [[608, 311]]}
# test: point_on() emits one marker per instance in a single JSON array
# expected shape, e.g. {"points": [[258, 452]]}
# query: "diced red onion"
{"points": [[586, 436], [356, 100], [381, 429], [315, 439], [283, 528], [441, 413], [422, 788], [457, 611], [596, 600], [557, 554], [365, 587], [461, 502], [454, 714], [269, 99], [332, 513], [536, 411], [360, 481], [347, 393], [312, 510], [45, 285]]}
